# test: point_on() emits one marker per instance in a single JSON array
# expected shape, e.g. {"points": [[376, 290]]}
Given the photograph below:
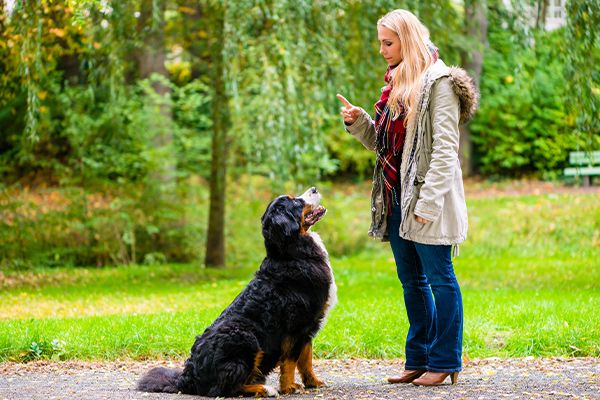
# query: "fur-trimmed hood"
{"points": [[465, 89], [463, 85]]}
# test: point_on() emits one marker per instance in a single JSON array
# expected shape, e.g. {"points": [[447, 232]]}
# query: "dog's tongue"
{"points": [[315, 215]]}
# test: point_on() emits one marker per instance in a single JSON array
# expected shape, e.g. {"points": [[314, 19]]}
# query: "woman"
{"points": [[417, 202]]}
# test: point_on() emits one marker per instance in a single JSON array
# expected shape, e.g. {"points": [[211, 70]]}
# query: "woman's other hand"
{"points": [[349, 112], [422, 220]]}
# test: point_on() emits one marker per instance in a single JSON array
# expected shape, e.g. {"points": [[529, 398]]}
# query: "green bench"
{"points": [[585, 164]]}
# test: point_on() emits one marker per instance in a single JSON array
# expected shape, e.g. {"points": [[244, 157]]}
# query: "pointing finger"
{"points": [[343, 100]]}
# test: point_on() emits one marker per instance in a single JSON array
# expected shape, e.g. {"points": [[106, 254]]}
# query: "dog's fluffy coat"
{"points": [[271, 322]]}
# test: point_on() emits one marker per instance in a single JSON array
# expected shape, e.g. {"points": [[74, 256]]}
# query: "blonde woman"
{"points": [[417, 201]]}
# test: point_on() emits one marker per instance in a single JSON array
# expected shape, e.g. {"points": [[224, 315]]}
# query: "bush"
{"points": [[87, 134], [522, 126], [71, 226]]}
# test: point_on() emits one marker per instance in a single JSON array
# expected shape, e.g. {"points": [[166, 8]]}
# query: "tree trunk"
{"points": [[476, 25], [151, 60], [542, 10], [215, 243], [161, 185], [207, 20]]}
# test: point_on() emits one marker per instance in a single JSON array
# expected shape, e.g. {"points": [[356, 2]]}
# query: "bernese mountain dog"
{"points": [[272, 322]]}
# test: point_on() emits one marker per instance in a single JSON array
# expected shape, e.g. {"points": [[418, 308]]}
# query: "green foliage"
{"points": [[65, 88], [72, 105], [581, 68], [520, 127], [88, 133], [55, 350], [283, 68], [131, 224]]}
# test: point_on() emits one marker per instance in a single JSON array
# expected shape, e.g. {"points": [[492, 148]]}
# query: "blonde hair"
{"points": [[416, 58]]}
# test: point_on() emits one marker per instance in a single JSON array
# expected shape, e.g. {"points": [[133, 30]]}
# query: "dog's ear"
{"points": [[264, 216], [279, 225]]}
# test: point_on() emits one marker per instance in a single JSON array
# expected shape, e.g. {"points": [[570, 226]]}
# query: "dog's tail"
{"points": [[160, 380]]}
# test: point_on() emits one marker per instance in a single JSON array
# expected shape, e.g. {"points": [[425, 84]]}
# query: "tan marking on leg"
{"points": [[287, 367], [305, 368], [287, 377]]}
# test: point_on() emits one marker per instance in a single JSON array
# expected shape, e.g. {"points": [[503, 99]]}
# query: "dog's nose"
{"points": [[313, 190]]}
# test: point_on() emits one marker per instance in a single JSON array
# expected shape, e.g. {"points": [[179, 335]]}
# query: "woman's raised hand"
{"points": [[349, 112]]}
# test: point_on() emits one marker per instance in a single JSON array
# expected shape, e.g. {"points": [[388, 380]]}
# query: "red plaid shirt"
{"points": [[390, 138]]}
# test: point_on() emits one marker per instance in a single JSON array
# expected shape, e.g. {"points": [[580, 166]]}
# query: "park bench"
{"points": [[585, 164]]}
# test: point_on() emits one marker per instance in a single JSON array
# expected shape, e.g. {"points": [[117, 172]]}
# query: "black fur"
{"points": [[285, 302], [160, 380]]}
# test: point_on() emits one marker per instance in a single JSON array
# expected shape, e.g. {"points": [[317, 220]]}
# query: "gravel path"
{"points": [[492, 378]]}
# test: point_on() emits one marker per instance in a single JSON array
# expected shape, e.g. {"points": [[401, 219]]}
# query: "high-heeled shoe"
{"points": [[407, 376], [435, 378]]}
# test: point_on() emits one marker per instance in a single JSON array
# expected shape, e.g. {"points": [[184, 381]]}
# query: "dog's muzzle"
{"points": [[312, 198]]}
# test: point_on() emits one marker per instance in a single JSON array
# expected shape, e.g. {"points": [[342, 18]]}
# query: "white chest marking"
{"points": [[332, 297]]}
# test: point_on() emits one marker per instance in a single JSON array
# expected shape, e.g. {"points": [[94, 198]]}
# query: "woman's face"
{"points": [[389, 45]]}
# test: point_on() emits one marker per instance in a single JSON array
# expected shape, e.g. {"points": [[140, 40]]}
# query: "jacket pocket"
{"points": [[423, 161], [411, 224], [378, 223]]}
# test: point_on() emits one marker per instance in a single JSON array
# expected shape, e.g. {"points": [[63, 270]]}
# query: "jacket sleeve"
{"points": [[444, 111], [364, 130]]}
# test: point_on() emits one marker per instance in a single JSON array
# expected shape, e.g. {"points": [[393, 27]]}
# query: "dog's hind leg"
{"points": [[257, 376], [229, 378], [255, 385], [259, 390], [305, 368], [232, 378]]}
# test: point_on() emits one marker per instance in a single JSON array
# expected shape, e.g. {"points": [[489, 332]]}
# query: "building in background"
{"points": [[556, 14], [546, 14]]}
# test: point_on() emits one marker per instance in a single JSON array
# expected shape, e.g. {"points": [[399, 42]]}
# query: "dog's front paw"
{"points": [[293, 388], [270, 391], [312, 383]]}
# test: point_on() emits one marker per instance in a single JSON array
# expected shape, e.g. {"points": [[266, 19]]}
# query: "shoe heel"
{"points": [[454, 378]]}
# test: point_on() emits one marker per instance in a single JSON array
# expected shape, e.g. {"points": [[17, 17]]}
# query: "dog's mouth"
{"points": [[314, 215]]}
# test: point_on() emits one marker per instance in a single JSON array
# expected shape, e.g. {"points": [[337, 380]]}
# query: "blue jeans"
{"points": [[433, 302]]}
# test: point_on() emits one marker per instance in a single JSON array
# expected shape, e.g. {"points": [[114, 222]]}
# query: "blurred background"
{"points": [[155, 131], [141, 141]]}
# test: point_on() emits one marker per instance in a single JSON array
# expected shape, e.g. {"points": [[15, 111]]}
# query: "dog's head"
{"points": [[287, 218]]}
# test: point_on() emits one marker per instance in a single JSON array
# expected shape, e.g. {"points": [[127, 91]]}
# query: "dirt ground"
{"points": [[493, 378]]}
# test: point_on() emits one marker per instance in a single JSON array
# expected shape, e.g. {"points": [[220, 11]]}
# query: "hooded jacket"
{"points": [[430, 172]]}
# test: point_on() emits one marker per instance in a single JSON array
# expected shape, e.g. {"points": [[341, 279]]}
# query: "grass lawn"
{"points": [[529, 272]]}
